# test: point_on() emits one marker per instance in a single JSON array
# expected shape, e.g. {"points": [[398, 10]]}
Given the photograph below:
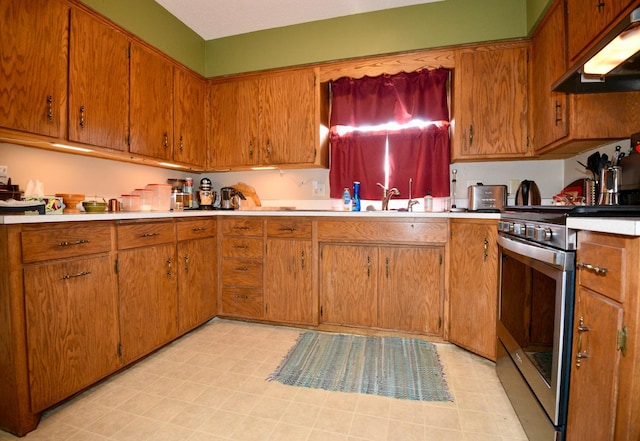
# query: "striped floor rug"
{"points": [[389, 366]]}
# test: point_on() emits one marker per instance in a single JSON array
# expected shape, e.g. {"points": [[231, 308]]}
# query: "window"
{"points": [[388, 129]]}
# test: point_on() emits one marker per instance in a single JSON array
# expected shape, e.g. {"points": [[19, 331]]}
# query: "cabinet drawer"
{"points": [[242, 227], [598, 253], [289, 228], [242, 247], [242, 302], [145, 234], [386, 231], [241, 272], [195, 229], [59, 243]]}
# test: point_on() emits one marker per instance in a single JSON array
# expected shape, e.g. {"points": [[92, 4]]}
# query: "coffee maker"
{"points": [[227, 196]]}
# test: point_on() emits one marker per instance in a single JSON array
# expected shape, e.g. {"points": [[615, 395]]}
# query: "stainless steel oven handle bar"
{"points": [[557, 258]]}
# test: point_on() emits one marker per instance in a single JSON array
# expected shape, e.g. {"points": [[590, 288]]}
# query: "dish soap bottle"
{"points": [[346, 199], [356, 196]]}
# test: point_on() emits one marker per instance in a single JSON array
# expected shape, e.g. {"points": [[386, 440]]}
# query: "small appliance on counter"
{"points": [[205, 196], [487, 198], [230, 198], [528, 193], [629, 191]]}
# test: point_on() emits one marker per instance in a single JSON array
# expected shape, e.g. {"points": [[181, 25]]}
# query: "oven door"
{"points": [[535, 318]]}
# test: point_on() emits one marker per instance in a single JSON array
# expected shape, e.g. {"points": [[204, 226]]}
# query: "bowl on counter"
{"points": [[71, 200], [94, 206]]}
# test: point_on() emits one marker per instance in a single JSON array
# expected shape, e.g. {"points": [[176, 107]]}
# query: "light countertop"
{"points": [[83, 217], [626, 226]]}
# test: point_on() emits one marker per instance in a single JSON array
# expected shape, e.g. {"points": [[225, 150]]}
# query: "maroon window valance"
{"points": [[421, 153], [396, 98]]}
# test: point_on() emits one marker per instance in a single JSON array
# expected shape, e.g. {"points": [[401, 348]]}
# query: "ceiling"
{"points": [[213, 19]]}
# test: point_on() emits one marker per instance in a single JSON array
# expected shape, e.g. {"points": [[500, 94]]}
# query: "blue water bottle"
{"points": [[355, 206]]}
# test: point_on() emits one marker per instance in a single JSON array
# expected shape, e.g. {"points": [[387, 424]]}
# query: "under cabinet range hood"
{"points": [[612, 65]]}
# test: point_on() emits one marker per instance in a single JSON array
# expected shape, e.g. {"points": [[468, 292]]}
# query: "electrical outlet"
{"points": [[513, 185], [318, 190]]}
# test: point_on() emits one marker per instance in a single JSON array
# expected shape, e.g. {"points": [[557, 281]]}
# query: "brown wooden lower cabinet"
{"points": [[604, 393], [396, 286], [72, 326], [473, 285]]}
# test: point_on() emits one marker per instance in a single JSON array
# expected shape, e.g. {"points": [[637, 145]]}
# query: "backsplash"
{"points": [[63, 172]]}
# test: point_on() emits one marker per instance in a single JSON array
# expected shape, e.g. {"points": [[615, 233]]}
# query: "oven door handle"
{"points": [[550, 256]]}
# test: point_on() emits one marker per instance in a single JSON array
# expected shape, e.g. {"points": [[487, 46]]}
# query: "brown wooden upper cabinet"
{"points": [[565, 124], [98, 83], [167, 109], [490, 99], [151, 104], [189, 123], [270, 119], [33, 69], [587, 19]]}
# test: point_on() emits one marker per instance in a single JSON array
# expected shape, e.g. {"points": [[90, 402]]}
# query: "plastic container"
{"points": [[160, 196], [346, 199], [146, 198], [130, 202]]}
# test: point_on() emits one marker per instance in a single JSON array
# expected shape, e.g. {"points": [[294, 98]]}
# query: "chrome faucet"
{"points": [[386, 195], [412, 201]]}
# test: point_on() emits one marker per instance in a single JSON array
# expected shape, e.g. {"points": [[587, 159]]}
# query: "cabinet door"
{"points": [[196, 282], [151, 104], [491, 89], [587, 19], [190, 146], [72, 326], [33, 73], [473, 287], [98, 83], [288, 291], [596, 379], [287, 123], [348, 288], [148, 298], [234, 123], [410, 290], [549, 111]]}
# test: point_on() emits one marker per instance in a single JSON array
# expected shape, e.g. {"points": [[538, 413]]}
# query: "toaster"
{"points": [[490, 198]]}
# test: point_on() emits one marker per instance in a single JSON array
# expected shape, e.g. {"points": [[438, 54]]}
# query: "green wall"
{"points": [[429, 25], [409, 28], [155, 25]]}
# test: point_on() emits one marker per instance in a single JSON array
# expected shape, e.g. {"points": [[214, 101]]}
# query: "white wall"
{"points": [[62, 172]]}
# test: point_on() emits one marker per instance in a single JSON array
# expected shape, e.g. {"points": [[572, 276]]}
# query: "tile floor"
{"points": [[210, 385]]}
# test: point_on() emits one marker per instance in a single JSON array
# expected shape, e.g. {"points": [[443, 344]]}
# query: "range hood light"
{"points": [[615, 53]]}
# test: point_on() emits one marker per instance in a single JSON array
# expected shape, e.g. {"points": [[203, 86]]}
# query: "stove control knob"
{"points": [[519, 229], [542, 234]]}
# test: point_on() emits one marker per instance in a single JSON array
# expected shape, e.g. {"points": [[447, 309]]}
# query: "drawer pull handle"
{"points": [[595, 269], [80, 274], [77, 242], [200, 229], [49, 108], [169, 272], [303, 258], [241, 297], [290, 229], [149, 234], [240, 247], [240, 227], [240, 268], [186, 263]]}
